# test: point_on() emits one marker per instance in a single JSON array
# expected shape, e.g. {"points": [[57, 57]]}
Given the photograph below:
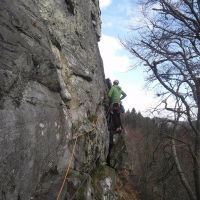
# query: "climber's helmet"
{"points": [[115, 82]]}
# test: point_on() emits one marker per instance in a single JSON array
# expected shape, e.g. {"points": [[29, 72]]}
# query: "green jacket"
{"points": [[115, 94]]}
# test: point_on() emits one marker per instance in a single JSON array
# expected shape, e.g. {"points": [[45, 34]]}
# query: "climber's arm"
{"points": [[123, 95]]}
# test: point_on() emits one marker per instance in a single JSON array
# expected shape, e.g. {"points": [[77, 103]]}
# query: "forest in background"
{"points": [[166, 152], [152, 163]]}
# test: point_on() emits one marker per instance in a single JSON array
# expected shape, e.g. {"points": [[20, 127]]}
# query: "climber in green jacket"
{"points": [[116, 94]]}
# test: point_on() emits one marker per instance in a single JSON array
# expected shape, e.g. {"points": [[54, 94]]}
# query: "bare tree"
{"points": [[168, 46]]}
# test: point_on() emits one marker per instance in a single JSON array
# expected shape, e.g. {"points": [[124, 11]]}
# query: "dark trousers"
{"points": [[116, 120]]}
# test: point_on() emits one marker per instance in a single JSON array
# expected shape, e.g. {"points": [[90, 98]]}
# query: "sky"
{"points": [[117, 17]]}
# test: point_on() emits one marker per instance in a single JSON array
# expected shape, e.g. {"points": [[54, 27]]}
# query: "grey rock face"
{"points": [[104, 183], [51, 89], [118, 155]]}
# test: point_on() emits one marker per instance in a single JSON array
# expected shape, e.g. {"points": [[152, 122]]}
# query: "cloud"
{"points": [[116, 64], [113, 57], [140, 99], [117, 61], [105, 3]]}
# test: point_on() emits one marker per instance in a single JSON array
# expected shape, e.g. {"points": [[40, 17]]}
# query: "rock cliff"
{"points": [[52, 89]]}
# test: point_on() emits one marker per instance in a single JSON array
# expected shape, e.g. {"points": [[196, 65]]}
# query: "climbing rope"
{"points": [[67, 171], [82, 183], [69, 166]]}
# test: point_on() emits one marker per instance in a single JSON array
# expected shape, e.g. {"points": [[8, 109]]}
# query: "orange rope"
{"points": [[67, 171], [68, 168]]}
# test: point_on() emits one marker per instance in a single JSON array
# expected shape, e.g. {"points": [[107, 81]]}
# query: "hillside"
{"points": [[151, 161]]}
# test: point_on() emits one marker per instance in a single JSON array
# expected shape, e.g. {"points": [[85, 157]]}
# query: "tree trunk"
{"points": [[197, 167], [181, 173]]}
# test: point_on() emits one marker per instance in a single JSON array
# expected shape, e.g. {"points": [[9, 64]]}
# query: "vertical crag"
{"points": [[52, 82]]}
